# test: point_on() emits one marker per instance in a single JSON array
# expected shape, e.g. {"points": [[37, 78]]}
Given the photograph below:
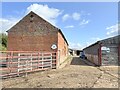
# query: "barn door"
{"points": [[99, 57]]}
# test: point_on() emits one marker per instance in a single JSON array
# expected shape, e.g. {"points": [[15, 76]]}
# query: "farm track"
{"points": [[77, 74]]}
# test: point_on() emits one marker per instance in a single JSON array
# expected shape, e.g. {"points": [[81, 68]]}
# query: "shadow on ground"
{"points": [[79, 61]]}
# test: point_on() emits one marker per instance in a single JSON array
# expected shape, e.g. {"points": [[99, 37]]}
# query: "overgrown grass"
{"points": [[2, 48]]}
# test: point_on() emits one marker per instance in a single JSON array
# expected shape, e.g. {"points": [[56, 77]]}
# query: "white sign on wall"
{"points": [[106, 49], [54, 46]]}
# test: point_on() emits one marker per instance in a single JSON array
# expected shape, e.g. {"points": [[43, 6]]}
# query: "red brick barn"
{"points": [[33, 33]]}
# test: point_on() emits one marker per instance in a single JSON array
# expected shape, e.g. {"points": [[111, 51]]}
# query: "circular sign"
{"points": [[105, 49], [54, 46]]}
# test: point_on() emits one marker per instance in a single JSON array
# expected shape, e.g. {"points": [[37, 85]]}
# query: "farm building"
{"points": [[104, 52], [74, 52], [33, 33]]}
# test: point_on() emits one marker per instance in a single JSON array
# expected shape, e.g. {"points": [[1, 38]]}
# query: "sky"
{"points": [[82, 23]]}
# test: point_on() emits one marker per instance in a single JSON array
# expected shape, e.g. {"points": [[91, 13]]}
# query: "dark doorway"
{"points": [[78, 52]]}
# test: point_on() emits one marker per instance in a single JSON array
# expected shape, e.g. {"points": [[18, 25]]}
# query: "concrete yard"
{"points": [[76, 74]]}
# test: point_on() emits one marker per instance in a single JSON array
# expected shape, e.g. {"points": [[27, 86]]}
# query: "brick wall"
{"points": [[31, 43], [62, 48], [37, 35]]}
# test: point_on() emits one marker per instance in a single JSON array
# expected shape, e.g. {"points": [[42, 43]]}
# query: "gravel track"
{"points": [[77, 74]]}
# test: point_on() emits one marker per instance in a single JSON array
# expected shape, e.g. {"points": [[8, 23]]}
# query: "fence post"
{"points": [[38, 59], [26, 68], [51, 59], [42, 60], [11, 61], [31, 61], [18, 63]]}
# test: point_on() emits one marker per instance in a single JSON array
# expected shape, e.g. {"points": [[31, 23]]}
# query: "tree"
{"points": [[3, 41]]}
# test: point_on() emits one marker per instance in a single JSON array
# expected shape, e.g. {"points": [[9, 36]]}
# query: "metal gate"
{"points": [[22, 62]]}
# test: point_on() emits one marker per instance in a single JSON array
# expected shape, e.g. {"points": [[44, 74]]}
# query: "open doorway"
{"points": [[78, 52]]}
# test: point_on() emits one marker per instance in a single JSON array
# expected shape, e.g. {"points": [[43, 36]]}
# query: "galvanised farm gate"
{"points": [[16, 63]]}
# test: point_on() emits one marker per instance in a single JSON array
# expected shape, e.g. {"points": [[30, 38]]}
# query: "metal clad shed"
{"points": [[110, 49], [104, 52]]}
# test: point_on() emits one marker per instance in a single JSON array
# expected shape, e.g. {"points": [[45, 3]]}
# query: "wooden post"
{"points": [[31, 61]]}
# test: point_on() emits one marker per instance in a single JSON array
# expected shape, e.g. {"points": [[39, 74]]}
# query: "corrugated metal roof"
{"points": [[111, 40], [92, 45]]}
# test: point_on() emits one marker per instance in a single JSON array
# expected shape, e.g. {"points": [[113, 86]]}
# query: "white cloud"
{"points": [[65, 17], [92, 40], [49, 14], [6, 24], [76, 46], [95, 39], [76, 16], [88, 13], [84, 22], [70, 26], [113, 30]]}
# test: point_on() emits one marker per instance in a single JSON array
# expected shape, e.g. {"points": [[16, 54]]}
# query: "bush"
{"points": [[3, 41]]}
